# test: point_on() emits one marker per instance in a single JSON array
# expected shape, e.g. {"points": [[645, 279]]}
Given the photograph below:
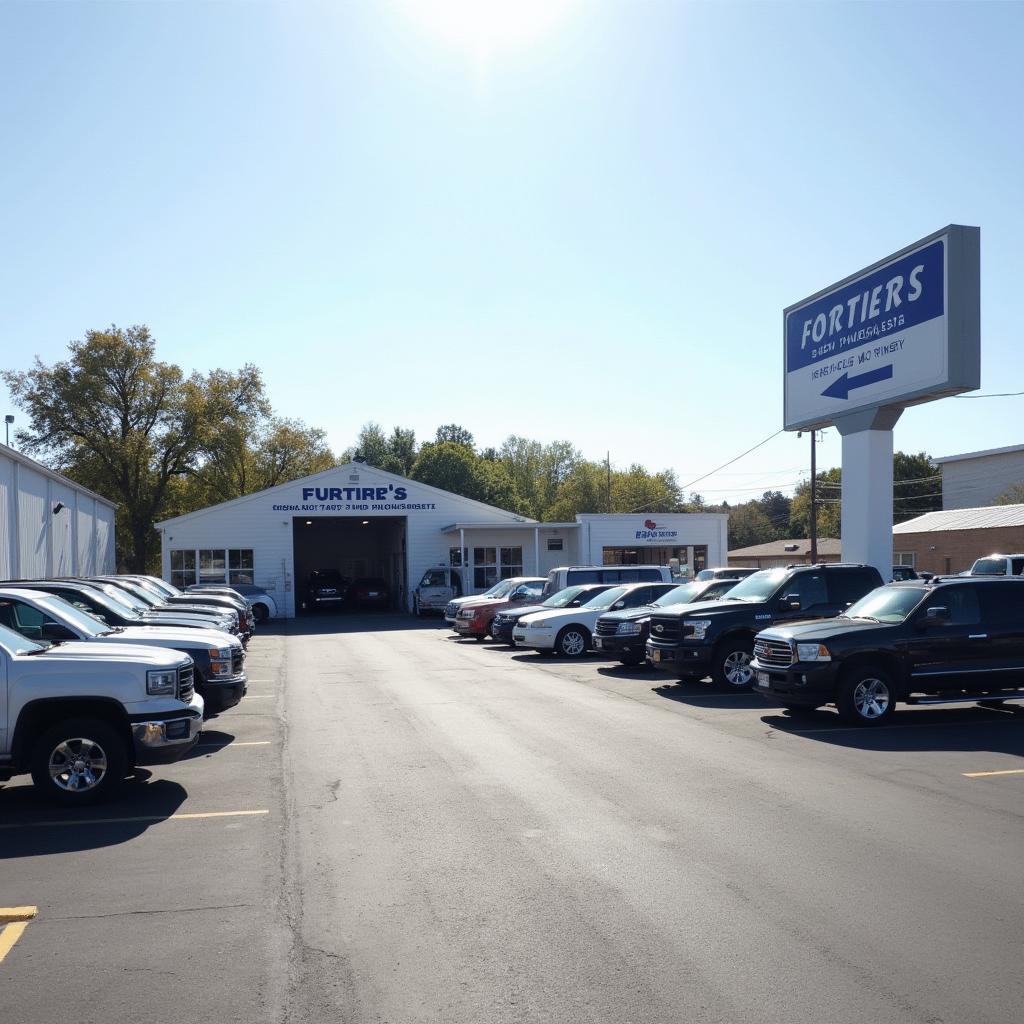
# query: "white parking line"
{"points": [[141, 817], [224, 746]]}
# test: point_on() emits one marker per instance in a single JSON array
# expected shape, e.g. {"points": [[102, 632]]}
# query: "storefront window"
{"points": [[212, 566], [240, 566], [456, 558], [511, 562], [485, 568], [183, 568]]}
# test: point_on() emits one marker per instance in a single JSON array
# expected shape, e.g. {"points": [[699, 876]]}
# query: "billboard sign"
{"points": [[903, 331]]}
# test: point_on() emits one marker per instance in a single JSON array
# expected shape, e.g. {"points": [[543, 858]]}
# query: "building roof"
{"points": [[980, 455], [783, 548], [353, 468], [986, 518], [16, 456], [528, 524]]}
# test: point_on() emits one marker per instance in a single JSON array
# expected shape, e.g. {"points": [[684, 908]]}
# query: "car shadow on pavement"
{"points": [[914, 729], [617, 670], [706, 695], [32, 827], [210, 742]]}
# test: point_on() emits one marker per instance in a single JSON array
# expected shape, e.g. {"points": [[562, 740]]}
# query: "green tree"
{"points": [[749, 525], [917, 486], [450, 466], [119, 421], [1012, 496], [455, 434], [402, 445]]}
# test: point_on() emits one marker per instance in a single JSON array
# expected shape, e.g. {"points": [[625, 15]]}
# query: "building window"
{"points": [[212, 566], [457, 558], [554, 543], [485, 568], [183, 568], [511, 562], [904, 558], [240, 566]]}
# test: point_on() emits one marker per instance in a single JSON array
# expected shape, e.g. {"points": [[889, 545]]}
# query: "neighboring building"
{"points": [[785, 552], [950, 541], [49, 525], [363, 521], [977, 479]]}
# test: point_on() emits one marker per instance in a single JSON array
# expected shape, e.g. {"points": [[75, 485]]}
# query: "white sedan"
{"points": [[568, 631]]}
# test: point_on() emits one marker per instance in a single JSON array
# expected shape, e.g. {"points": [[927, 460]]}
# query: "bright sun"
{"points": [[483, 26]]}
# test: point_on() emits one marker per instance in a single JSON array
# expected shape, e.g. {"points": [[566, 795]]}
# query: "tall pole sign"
{"points": [[903, 331]]}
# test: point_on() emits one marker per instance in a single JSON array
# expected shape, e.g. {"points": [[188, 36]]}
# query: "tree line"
{"points": [[160, 442]]}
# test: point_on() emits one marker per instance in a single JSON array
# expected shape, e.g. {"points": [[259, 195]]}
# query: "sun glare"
{"points": [[484, 26]]}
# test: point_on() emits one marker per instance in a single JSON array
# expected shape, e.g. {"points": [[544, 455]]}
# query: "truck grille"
{"points": [[451, 611], [186, 684], [773, 653], [665, 628], [607, 627], [237, 660]]}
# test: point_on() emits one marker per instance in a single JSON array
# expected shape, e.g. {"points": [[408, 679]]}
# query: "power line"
{"points": [[995, 394], [686, 487]]}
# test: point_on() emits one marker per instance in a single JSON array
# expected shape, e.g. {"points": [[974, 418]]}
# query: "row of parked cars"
{"points": [[802, 635], [99, 675]]}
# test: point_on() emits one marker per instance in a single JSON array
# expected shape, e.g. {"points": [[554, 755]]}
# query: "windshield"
{"points": [[680, 595], [125, 608], [15, 643], [68, 613], [607, 598], [989, 567], [500, 589], [139, 593], [704, 574], [434, 578], [758, 587], [564, 597], [886, 604]]}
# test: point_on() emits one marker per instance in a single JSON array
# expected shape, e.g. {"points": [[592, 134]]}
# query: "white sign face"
{"points": [[879, 338], [649, 532]]}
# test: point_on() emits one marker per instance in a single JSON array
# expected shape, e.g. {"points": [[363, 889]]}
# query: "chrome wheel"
{"points": [[871, 698], [736, 668], [572, 643], [77, 765]]}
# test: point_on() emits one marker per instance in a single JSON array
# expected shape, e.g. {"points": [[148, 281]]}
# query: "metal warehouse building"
{"points": [[363, 521], [49, 525]]}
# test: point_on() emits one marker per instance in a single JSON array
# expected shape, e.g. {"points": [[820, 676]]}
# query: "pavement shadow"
{"points": [[31, 827], [331, 623], [617, 670], [966, 729], [705, 695], [211, 741]]}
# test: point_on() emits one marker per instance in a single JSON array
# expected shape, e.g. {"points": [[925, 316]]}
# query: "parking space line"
{"points": [[132, 820], [893, 728], [13, 922], [224, 746], [985, 775]]}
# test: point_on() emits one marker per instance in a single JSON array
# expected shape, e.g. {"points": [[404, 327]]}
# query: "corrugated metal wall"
{"points": [[36, 541]]}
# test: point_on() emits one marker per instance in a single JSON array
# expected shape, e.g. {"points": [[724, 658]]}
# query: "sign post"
{"points": [[903, 331]]}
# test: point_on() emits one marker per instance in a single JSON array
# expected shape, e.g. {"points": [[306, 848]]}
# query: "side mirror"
{"points": [[54, 631], [937, 616], [575, 604], [619, 604], [791, 602]]}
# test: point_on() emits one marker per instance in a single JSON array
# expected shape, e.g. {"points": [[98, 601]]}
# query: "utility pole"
{"points": [[814, 498], [608, 463], [8, 420]]}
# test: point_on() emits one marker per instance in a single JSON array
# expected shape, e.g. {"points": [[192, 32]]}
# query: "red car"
{"points": [[474, 617], [370, 592]]}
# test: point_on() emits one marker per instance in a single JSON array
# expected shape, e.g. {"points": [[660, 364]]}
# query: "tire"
{"points": [[731, 665], [866, 696], [572, 641], [100, 762], [260, 612]]}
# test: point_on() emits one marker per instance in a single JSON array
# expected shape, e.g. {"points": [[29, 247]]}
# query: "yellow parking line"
{"points": [[982, 775], [13, 922], [141, 817]]}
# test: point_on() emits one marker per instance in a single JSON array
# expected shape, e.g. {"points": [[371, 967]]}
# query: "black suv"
{"points": [[940, 641], [623, 634], [718, 637]]}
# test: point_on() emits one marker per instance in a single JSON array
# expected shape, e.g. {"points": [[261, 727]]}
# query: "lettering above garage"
{"points": [[356, 499]]}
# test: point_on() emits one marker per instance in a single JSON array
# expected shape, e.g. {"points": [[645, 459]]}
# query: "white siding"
{"points": [[8, 519], [84, 532], [701, 528], [62, 530], [975, 482], [106, 557], [32, 554]]}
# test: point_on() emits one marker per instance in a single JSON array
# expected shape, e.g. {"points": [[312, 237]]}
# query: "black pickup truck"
{"points": [[947, 640], [717, 638]]}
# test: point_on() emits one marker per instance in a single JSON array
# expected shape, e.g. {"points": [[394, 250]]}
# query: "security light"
{"points": [[59, 507]]}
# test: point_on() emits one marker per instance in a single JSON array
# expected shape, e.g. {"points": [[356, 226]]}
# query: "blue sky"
{"points": [[583, 225]]}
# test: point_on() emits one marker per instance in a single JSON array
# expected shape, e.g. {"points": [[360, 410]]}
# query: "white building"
{"points": [[977, 479], [363, 521], [49, 525]]}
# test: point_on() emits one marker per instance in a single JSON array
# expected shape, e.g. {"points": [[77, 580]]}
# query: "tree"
{"points": [[402, 445], [749, 525], [776, 506], [1012, 496], [917, 486], [636, 490], [452, 432], [117, 420], [450, 466]]}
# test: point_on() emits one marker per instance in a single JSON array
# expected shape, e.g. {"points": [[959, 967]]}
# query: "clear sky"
{"points": [[563, 220]]}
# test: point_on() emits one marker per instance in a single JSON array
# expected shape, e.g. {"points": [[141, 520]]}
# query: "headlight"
{"points": [[697, 628], [161, 683], [220, 660], [539, 624], [629, 628], [812, 652]]}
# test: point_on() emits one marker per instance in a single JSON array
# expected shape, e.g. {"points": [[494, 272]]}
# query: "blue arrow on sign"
{"points": [[842, 387]]}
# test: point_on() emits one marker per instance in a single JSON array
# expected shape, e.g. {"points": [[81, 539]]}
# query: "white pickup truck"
{"points": [[80, 716]]}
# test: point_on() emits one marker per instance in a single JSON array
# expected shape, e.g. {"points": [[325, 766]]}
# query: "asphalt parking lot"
{"points": [[399, 825]]}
